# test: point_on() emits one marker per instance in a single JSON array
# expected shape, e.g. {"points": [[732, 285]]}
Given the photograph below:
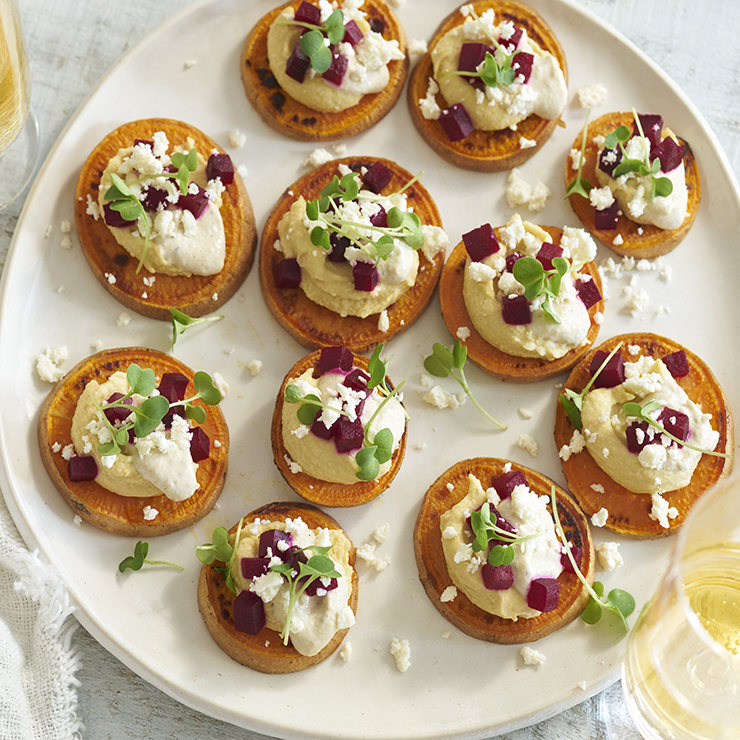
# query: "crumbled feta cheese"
{"points": [[462, 333], [293, 466], [150, 513], [124, 319], [448, 594], [48, 364], [254, 367], [383, 321], [189, 64], [66, 242], [600, 517], [77, 520], [598, 488], [318, 157], [441, 399], [381, 532], [525, 143], [401, 652], [661, 511], [591, 96], [428, 105], [618, 239], [608, 555], [525, 413], [237, 139], [530, 656], [220, 384], [521, 193], [576, 445], [346, 652], [529, 444], [417, 47]]}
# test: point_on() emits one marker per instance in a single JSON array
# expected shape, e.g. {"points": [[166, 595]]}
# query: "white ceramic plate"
{"points": [[456, 686]]}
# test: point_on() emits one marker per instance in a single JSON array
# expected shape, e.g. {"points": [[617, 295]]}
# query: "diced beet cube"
{"points": [[319, 429], [297, 64], [288, 273], [118, 414], [609, 159], [513, 40], [507, 482], [380, 219], [677, 363], [456, 122], [543, 594], [357, 379], [317, 585], [307, 13], [82, 467], [481, 243], [606, 219], [200, 445], [114, 218], [516, 310], [270, 542], [471, 56], [349, 435], [612, 375], [497, 577], [145, 142], [636, 435], [335, 358], [337, 69], [577, 554], [221, 166], [293, 556], [352, 33], [196, 202], [522, 65], [670, 154], [377, 177], [652, 128], [339, 245], [254, 567], [365, 276], [511, 259], [153, 198], [249, 613], [501, 522], [173, 386], [675, 423], [547, 253], [588, 292]]}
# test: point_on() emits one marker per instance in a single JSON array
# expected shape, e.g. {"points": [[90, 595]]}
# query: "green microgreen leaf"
{"points": [[218, 549], [313, 46], [181, 322], [484, 526], [139, 558], [141, 381], [150, 414], [581, 186]]}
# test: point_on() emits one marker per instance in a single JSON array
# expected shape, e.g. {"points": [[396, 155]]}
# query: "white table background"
{"points": [[72, 43]]}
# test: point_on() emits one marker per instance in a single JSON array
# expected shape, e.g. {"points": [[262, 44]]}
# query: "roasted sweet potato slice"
{"points": [[629, 513], [115, 268], [486, 151], [486, 356], [95, 504], [317, 491], [637, 240], [314, 326], [432, 566], [265, 651], [287, 115]]}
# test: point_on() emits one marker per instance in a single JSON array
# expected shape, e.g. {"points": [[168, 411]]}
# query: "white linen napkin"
{"points": [[38, 694]]}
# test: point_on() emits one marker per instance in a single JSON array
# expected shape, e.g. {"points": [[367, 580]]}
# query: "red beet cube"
{"points": [[287, 273], [200, 445], [609, 159], [377, 177], [612, 375], [547, 253], [117, 414], [497, 577], [349, 435], [511, 259], [507, 482], [638, 435], [577, 554], [196, 202], [254, 567], [114, 218], [249, 613], [352, 33], [335, 358], [339, 246], [607, 218], [82, 467], [307, 13], [456, 122], [365, 276], [522, 65], [670, 154], [516, 310], [588, 292], [221, 166], [357, 380], [380, 219], [543, 594], [513, 40], [315, 586], [481, 243], [173, 386], [652, 127], [337, 69], [677, 364], [298, 63], [471, 56], [320, 429], [270, 543], [675, 423], [153, 198], [145, 142]]}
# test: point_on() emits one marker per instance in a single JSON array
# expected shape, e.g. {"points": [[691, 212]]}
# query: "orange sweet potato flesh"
{"points": [[639, 240], [317, 491], [629, 513], [265, 651], [195, 295], [486, 356], [314, 326], [296, 120], [432, 565], [486, 151], [95, 504]]}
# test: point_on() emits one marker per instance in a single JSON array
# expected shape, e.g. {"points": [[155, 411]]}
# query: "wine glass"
{"points": [[19, 133], [681, 675]]}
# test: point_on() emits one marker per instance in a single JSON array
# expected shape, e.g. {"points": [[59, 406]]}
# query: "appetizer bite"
{"points": [[633, 183], [351, 254], [128, 441], [320, 74], [492, 86], [489, 555], [164, 219], [339, 428], [279, 591], [525, 299], [643, 429]]}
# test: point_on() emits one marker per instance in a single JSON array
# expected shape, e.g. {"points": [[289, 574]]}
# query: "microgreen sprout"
{"points": [[580, 185], [402, 225], [319, 565], [485, 528], [181, 321], [139, 558], [443, 362], [149, 414], [572, 402], [123, 200], [313, 43], [219, 549], [618, 601], [537, 281], [645, 413]]}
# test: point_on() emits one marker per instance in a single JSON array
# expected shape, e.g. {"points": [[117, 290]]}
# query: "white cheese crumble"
{"points": [[448, 594], [124, 319], [591, 96], [383, 321], [462, 333], [401, 652], [520, 193], [254, 367], [48, 364], [293, 466], [318, 157], [346, 652], [529, 444], [441, 399], [608, 555], [530, 656], [660, 511], [600, 517], [237, 139], [525, 143], [150, 513]]}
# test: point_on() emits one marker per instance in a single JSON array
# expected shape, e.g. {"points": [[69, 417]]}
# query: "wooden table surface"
{"points": [[72, 43]]}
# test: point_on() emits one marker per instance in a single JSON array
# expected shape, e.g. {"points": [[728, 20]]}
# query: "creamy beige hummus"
{"points": [[168, 469], [179, 244], [486, 283], [315, 619], [545, 94], [655, 470]]}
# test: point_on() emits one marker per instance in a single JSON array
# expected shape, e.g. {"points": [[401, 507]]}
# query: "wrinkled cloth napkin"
{"points": [[38, 688]]}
